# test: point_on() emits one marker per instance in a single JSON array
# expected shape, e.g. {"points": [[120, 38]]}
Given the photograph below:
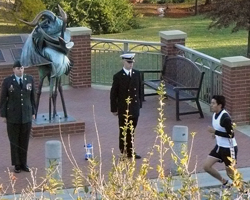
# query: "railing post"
{"points": [[236, 87], [180, 139], [80, 75], [125, 47], [170, 38], [53, 158]]}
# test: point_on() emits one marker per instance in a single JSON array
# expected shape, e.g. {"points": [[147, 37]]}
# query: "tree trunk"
{"points": [[196, 7], [248, 45], [208, 2]]}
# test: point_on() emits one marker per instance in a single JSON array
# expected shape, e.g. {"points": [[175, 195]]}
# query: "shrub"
{"points": [[110, 16], [22, 9], [178, 1], [124, 182], [162, 1], [150, 1], [28, 9], [106, 16]]}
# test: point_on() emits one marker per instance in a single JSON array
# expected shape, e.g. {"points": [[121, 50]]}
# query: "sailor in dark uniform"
{"points": [[17, 110], [126, 83]]}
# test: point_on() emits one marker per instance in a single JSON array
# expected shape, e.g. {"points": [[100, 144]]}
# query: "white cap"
{"points": [[128, 56]]}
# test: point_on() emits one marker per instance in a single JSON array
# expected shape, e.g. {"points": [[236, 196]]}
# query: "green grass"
{"points": [[214, 42]]}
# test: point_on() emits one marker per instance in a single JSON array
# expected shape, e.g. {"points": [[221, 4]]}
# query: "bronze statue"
{"points": [[47, 48]]}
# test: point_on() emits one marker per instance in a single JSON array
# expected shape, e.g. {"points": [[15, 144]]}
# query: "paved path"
{"points": [[80, 104]]}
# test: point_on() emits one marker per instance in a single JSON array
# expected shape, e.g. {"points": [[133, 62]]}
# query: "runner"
{"points": [[226, 146]]}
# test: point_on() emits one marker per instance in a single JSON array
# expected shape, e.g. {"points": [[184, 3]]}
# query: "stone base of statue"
{"points": [[43, 127]]}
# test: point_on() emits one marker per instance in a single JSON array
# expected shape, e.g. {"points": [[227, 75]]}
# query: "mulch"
{"points": [[171, 10]]}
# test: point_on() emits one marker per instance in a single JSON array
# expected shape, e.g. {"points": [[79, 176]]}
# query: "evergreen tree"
{"points": [[231, 12]]}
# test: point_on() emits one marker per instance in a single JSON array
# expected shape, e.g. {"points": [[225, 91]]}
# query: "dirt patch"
{"points": [[170, 10], [179, 12]]}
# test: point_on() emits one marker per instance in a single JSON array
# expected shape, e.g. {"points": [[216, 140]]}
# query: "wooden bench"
{"points": [[183, 80]]}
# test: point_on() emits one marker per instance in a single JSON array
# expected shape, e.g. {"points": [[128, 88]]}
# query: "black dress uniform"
{"points": [[125, 86], [17, 106]]}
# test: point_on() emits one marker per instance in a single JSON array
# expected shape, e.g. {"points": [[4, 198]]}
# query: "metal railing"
{"points": [[106, 59], [212, 83]]}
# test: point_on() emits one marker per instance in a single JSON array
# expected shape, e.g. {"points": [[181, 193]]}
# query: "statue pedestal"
{"points": [[42, 127]]}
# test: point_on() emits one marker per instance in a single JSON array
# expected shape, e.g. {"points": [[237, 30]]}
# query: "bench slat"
{"points": [[154, 84]]}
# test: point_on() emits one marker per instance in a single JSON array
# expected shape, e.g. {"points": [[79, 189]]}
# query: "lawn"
{"points": [[214, 42]]}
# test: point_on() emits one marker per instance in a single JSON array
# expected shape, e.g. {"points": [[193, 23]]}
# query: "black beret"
{"points": [[17, 64]]}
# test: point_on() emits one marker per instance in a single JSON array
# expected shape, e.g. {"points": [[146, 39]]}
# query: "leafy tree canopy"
{"points": [[227, 12], [231, 12]]}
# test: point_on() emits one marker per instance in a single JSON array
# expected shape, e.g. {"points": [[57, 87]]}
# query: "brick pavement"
{"points": [[80, 103]]}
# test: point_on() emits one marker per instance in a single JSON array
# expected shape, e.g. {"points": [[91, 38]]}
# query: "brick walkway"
{"points": [[80, 106]]}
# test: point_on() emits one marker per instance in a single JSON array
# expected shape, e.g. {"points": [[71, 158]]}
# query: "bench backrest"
{"points": [[181, 72]]}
